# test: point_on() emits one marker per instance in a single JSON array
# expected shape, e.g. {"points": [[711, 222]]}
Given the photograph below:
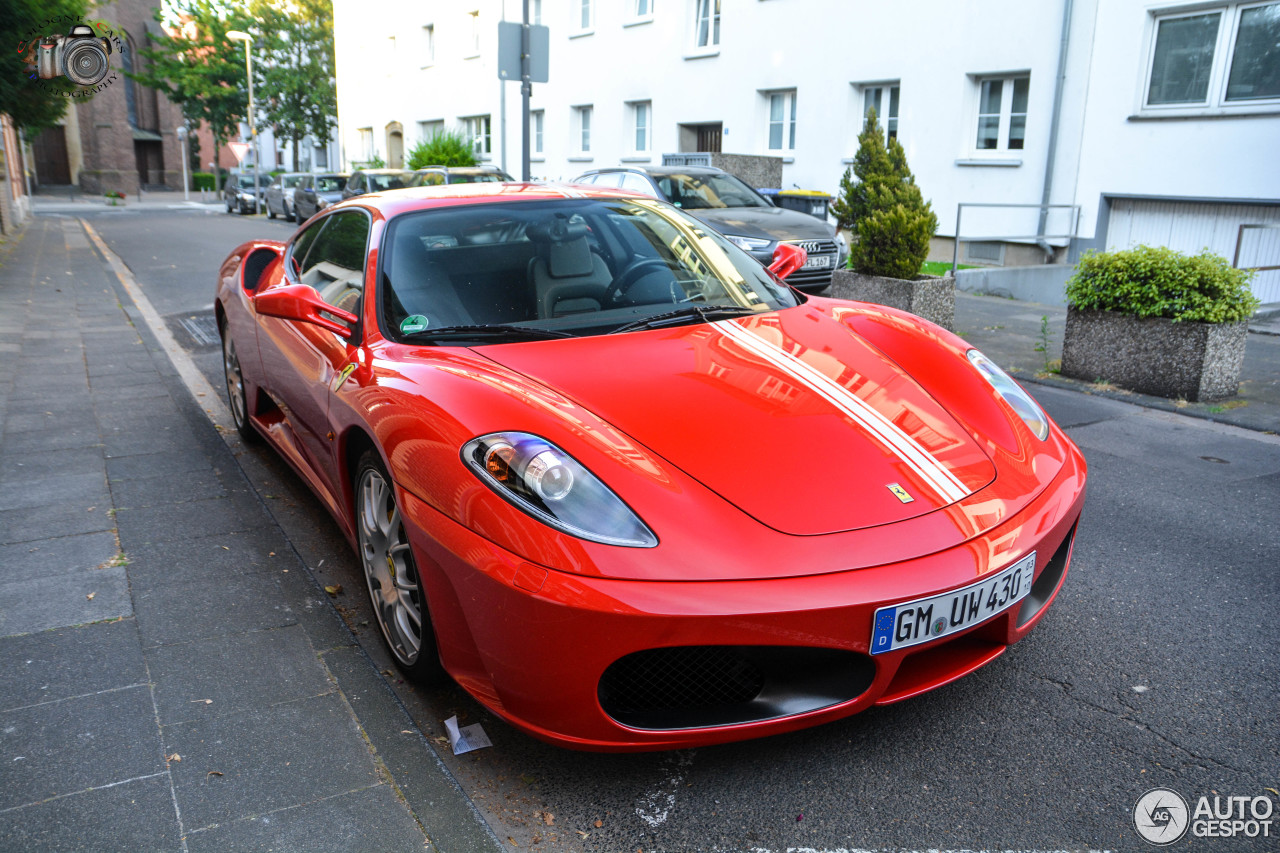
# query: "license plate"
{"points": [[928, 619], [817, 262]]}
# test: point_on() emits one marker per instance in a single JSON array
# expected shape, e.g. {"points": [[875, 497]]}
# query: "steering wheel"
{"points": [[634, 271]]}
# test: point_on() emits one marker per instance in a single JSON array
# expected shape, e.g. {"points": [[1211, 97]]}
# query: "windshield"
{"points": [[330, 183], [246, 181], [694, 192], [389, 182], [290, 181], [572, 266], [475, 177]]}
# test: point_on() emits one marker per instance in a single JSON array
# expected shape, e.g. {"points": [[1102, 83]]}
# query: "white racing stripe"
{"points": [[920, 460]]}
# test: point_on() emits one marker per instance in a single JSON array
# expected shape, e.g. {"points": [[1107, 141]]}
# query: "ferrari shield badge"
{"points": [[342, 377], [900, 493]]}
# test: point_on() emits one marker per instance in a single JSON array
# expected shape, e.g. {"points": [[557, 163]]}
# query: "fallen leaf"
{"points": [[333, 589], [548, 818], [175, 758], [583, 834], [599, 823], [225, 548], [213, 773], [91, 595], [271, 554]]}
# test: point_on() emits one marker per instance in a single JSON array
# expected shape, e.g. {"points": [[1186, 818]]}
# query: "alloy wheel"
{"points": [[388, 567]]}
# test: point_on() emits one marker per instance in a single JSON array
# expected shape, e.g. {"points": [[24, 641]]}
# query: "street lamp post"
{"points": [[186, 187], [236, 35]]}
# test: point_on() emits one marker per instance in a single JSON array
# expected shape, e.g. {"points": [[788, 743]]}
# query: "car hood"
{"points": [[790, 416], [772, 223]]}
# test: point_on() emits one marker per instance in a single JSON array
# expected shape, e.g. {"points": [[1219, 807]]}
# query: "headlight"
{"points": [[544, 481], [748, 244], [1021, 402]]}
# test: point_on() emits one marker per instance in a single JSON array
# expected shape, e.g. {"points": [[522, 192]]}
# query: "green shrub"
{"points": [[203, 181], [445, 148], [1154, 281], [884, 208]]}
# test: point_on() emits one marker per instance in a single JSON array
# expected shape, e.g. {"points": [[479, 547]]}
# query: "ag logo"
{"points": [[1160, 816]]}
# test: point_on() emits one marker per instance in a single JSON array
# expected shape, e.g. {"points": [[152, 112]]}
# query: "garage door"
{"points": [[1192, 226]]}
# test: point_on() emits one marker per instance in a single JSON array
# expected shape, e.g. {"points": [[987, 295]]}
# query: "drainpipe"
{"points": [[1052, 154]]}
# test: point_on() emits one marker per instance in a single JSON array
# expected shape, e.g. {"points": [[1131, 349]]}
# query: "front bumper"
{"points": [[564, 656]]}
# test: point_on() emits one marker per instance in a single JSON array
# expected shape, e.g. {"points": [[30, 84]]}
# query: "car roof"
{"points": [[658, 171], [396, 202], [382, 171]]}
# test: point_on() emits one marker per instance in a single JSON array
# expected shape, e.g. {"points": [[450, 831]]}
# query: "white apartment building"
{"points": [[1148, 122]]}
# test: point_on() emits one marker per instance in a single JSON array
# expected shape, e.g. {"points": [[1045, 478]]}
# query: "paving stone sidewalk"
{"points": [[171, 677]]}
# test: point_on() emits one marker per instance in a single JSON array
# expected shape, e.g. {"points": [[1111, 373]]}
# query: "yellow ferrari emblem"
{"points": [[900, 493], [342, 377]]}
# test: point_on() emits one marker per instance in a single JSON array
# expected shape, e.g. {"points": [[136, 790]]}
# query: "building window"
{"points": [[583, 15], [366, 143], [535, 12], [428, 45], [473, 41], [1002, 113], [641, 113], [706, 23], [1223, 57], [883, 98], [641, 11], [477, 130], [428, 130], [782, 121], [582, 128], [536, 118]]}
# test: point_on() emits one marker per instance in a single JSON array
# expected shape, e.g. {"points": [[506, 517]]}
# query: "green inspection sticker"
{"points": [[413, 323]]}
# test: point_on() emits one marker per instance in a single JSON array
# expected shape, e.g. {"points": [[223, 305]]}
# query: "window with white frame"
{"points": [[473, 40], [582, 128], [641, 113], [639, 12], [781, 129], [1224, 57], [1002, 112], [883, 98], [536, 118], [428, 130], [535, 12], [477, 131], [428, 45], [583, 15], [366, 143], [706, 24]]}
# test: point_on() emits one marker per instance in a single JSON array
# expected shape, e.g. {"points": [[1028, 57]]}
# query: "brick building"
{"points": [[124, 137]]}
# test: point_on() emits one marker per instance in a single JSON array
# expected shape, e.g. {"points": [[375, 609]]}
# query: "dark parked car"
{"points": [[737, 211], [280, 195], [316, 192], [376, 180], [431, 176], [237, 193]]}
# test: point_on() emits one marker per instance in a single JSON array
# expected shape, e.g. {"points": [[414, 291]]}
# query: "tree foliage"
{"points": [[199, 68], [32, 104], [296, 78], [885, 208], [444, 148], [1157, 281]]}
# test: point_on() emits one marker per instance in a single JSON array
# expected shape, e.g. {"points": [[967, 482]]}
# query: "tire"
{"points": [[271, 214], [236, 397], [289, 214], [395, 591], [230, 209]]}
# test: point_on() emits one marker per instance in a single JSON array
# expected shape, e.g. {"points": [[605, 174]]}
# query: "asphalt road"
{"points": [[1157, 666]]}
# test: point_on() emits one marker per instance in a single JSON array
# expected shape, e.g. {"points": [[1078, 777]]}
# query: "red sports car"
{"points": [[624, 485]]}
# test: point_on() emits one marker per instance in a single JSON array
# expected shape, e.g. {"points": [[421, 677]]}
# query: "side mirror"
{"points": [[301, 303], [787, 258]]}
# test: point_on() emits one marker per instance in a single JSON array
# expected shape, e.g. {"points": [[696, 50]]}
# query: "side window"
{"points": [[636, 184], [334, 266], [301, 245], [431, 179]]}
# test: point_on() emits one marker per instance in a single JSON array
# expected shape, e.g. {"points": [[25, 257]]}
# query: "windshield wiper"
{"points": [[706, 313], [489, 330]]}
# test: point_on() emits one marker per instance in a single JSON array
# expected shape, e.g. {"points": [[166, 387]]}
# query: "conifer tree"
{"points": [[885, 209]]}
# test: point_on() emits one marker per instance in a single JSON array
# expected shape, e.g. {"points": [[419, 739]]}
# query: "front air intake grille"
{"points": [[701, 686], [686, 677]]}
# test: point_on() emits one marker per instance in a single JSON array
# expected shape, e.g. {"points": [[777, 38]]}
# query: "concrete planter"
{"points": [[1199, 362], [931, 297]]}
